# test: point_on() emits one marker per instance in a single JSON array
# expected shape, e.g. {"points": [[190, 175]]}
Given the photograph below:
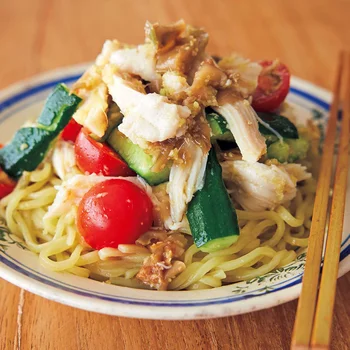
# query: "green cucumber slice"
{"points": [[29, 145], [136, 158], [212, 218]]}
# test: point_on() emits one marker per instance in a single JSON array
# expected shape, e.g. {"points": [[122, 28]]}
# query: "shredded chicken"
{"points": [[184, 181], [243, 73], [181, 49], [296, 171], [242, 121], [258, 186], [92, 111], [160, 267], [174, 86], [108, 48], [162, 216], [152, 236], [164, 37], [140, 61], [208, 79], [147, 117], [63, 160]]}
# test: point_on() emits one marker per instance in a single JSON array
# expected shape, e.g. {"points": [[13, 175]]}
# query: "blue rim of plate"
{"points": [[37, 276]]}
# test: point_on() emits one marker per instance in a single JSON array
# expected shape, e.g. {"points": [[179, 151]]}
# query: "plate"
{"points": [[19, 266]]}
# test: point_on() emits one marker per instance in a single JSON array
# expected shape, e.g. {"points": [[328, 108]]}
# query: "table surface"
{"points": [[40, 35]]}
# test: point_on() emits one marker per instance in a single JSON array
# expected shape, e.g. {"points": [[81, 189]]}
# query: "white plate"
{"points": [[23, 101]]}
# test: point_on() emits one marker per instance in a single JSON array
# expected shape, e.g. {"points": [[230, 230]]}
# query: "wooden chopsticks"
{"points": [[312, 328]]}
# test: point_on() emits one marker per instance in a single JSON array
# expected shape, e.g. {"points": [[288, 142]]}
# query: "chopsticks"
{"points": [[312, 327]]}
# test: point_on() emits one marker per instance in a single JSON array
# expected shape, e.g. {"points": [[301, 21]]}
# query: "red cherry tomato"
{"points": [[7, 185], [114, 212], [273, 86], [97, 157], [71, 131]]}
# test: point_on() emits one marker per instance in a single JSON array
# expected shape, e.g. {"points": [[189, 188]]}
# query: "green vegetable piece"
{"points": [[289, 151], [297, 149], [279, 151], [217, 124], [26, 150], [282, 125], [136, 158], [269, 139], [58, 109], [279, 123], [28, 147], [212, 218]]}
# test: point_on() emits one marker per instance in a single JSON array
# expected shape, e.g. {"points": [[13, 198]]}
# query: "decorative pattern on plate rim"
{"points": [[262, 284], [7, 238]]}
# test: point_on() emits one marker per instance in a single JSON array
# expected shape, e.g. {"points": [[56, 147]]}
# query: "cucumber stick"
{"points": [[219, 128], [212, 218], [58, 109], [282, 125], [136, 158], [289, 151], [29, 145]]}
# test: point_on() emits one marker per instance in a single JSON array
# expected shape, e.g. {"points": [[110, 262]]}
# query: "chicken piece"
{"points": [[242, 121], [161, 215], [159, 268], [164, 37], [92, 111], [174, 86], [147, 117], [186, 177], [140, 61], [108, 48], [184, 54], [63, 160], [296, 171], [207, 80], [72, 190], [243, 73], [152, 236], [258, 187]]}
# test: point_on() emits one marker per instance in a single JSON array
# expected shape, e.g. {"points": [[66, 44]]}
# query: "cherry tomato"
{"points": [[97, 157], [7, 185], [71, 131], [273, 86], [114, 212]]}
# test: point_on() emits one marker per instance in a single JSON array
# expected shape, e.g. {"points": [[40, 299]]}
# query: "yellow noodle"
{"points": [[217, 274], [255, 243], [292, 240], [288, 217], [131, 283], [59, 246], [88, 258], [132, 249], [189, 254], [261, 270], [131, 273], [288, 258], [244, 260], [41, 174], [198, 286], [79, 271], [185, 279], [211, 281]]}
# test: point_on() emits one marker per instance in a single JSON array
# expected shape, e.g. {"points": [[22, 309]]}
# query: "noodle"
{"points": [[268, 240]]}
